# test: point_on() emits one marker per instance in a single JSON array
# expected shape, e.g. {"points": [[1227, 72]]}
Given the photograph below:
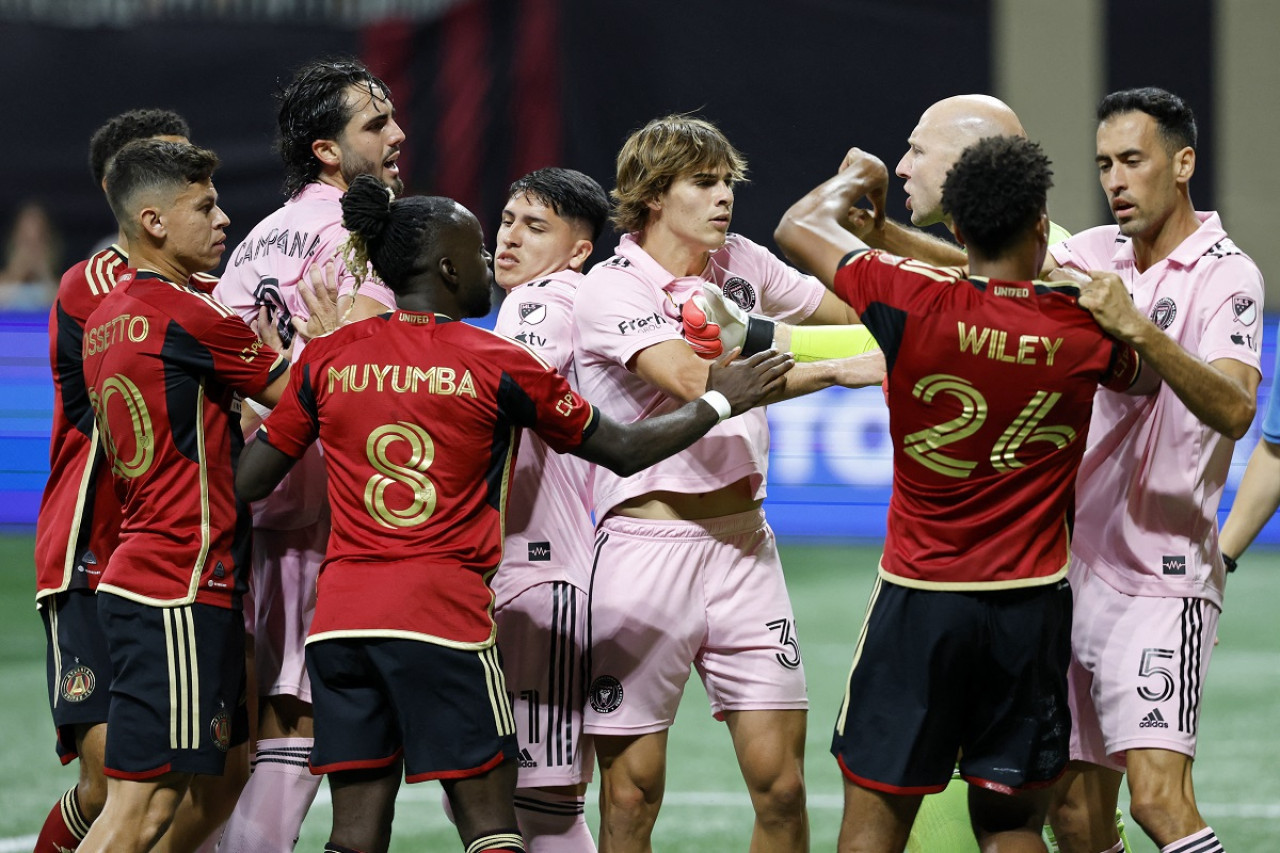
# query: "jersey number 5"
{"points": [[410, 472], [925, 446]]}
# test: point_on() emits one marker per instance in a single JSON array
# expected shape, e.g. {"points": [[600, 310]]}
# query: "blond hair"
{"points": [[663, 150]]}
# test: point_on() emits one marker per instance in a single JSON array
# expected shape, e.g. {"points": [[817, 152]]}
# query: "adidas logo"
{"points": [[524, 759], [1154, 720]]}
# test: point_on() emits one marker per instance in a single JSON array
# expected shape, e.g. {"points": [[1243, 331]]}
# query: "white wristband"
{"points": [[719, 402]]}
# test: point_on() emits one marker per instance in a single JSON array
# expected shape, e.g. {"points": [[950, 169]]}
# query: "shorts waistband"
{"points": [[725, 525]]}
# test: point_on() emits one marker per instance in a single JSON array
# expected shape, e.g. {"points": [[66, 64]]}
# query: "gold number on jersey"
{"points": [[925, 446], [1026, 429], [144, 439], [412, 474]]}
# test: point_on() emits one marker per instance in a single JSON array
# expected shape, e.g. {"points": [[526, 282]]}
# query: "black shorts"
{"points": [[980, 674], [177, 698], [446, 710], [78, 665]]}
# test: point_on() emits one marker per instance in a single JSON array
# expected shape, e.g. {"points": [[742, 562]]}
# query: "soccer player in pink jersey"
{"points": [[164, 364], [966, 642], [1148, 573], [421, 417], [336, 121], [686, 571], [551, 221]]}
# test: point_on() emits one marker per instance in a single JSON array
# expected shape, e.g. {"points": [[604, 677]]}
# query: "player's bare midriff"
{"points": [[673, 506]]}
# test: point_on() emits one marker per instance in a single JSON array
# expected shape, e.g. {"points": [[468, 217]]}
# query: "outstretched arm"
{"points": [[731, 389], [1256, 500]]}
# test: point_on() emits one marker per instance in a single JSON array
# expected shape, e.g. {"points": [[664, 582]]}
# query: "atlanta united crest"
{"points": [[78, 684], [1164, 312], [740, 292], [606, 694], [220, 730]]}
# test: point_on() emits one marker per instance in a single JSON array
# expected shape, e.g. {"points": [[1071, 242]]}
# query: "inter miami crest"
{"points": [[1164, 313], [740, 292], [1245, 309], [532, 313], [606, 694], [77, 684]]}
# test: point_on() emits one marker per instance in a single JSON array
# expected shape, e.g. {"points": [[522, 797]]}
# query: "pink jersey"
{"points": [[629, 303], [265, 269], [1149, 455], [549, 530]]}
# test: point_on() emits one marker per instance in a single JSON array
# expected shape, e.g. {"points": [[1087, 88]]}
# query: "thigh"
{"points": [[177, 695], [286, 564], [1148, 668], [542, 633], [900, 724], [751, 658], [78, 666], [355, 725], [1017, 729], [646, 622]]}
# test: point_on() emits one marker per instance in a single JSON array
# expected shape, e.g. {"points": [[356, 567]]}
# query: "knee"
{"points": [[1162, 814], [91, 795], [782, 799], [1071, 823]]}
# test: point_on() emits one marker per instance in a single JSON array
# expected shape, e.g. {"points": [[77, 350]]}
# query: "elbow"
{"points": [[1237, 427], [782, 235]]}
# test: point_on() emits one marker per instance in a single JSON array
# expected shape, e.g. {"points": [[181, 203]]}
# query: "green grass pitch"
{"points": [[706, 808]]}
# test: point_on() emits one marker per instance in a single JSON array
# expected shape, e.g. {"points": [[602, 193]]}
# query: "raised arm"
{"points": [[814, 233]]}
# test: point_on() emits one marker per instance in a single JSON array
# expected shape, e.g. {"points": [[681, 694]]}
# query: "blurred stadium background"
{"points": [[489, 89]]}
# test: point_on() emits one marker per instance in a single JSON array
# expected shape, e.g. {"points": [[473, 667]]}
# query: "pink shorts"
{"points": [[1137, 670], [285, 566], [669, 594], [542, 638]]}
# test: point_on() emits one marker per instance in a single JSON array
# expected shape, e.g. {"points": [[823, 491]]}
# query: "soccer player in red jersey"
{"points": [[164, 364], [79, 521], [420, 416], [990, 385]]}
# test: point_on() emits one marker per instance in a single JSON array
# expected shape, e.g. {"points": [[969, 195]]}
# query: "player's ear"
{"points": [[448, 273], [581, 251], [1184, 165], [152, 222], [328, 152]]}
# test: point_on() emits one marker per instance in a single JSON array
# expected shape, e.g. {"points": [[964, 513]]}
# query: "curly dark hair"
{"points": [[146, 164], [1175, 119], [314, 106], [996, 191], [394, 238], [570, 193], [126, 127]]}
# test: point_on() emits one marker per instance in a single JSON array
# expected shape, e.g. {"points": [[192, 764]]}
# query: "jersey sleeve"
{"points": [[1089, 250], [534, 396], [540, 316], [617, 315], [1123, 369], [295, 421], [785, 293], [237, 357], [1233, 328]]}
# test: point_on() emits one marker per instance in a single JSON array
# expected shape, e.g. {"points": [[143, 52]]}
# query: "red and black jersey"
{"points": [[163, 363], [990, 390], [420, 420], [79, 520]]}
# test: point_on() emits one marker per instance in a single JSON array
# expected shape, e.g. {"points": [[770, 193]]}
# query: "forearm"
{"points": [[906, 242], [1216, 399], [1256, 500], [627, 448], [818, 343], [856, 371], [811, 233]]}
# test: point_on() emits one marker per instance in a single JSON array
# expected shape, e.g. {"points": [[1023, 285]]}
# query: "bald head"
{"points": [[944, 131]]}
